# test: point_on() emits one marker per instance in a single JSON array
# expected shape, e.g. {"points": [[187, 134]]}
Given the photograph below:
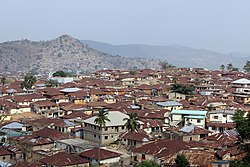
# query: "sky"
{"points": [[218, 25]]}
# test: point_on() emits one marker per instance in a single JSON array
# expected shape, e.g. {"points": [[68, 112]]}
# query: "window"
{"points": [[94, 135], [190, 139], [216, 117], [106, 129], [198, 121], [106, 137], [213, 127]]}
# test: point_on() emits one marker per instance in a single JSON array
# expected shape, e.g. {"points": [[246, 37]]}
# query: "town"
{"points": [[116, 117]]}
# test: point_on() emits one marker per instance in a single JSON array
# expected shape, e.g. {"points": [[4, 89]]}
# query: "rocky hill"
{"points": [[64, 53]]}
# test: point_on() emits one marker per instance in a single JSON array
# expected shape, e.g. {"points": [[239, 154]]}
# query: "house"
{"points": [[107, 134], [218, 127], [186, 117], [5, 156], [242, 92], [201, 158], [221, 116], [64, 159], [74, 145], [158, 150], [44, 105], [54, 113], [106, 156], [186, 133], [176, 96], [135, 139], [170, 105]]}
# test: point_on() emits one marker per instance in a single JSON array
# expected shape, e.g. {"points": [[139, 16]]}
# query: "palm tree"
{"points": [[102, 118], [132, 123], [230, 67], [222, 67], [246, 67]]}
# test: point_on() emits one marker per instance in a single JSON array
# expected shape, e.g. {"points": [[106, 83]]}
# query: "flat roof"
{"points": [[70, 90], [169, 103], [189, 112], [115, 117]]}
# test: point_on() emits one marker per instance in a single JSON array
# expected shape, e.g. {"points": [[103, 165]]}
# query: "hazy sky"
{"points": [[219, 25]]}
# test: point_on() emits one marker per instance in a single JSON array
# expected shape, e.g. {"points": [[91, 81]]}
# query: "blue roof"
{"points": [[195, 117], [13, 125], [187, 129], [11, 133], [169, 103], [189, 112]]}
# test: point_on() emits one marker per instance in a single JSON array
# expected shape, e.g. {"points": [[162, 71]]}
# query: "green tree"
{"points": [[3, 81], [132, 122], [101, 119], [183, 89], [197, 81], [53, 83], [181, 161], [222, 67], [230, 67], [246, 67], [61, 73], [147, 164], [243, 128], [133, 72], [28, 82], [235, 69], [165, 65]]}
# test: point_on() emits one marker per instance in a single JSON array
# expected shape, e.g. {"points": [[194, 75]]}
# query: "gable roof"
{"points": [[63, 159], [162, 148], [104, 154], [51, 133], [241, 81]]}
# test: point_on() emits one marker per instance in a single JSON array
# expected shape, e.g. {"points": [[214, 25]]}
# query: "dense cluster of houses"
{"points": [[55, 126]]}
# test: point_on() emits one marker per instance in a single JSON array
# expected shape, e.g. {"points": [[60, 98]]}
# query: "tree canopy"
{"points": [[222, 67], [29, 81], [147, 164], [246, 67], [243, 128], [183, 89], [53, 83], [132, 123], [181, 161], [102, 118], [61, 73]]}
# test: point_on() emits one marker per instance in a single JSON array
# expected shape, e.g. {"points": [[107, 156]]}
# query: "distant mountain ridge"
{"points": [[62, 53], [175, 54]]}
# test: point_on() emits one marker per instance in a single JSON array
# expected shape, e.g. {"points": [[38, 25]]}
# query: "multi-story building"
{"points": [[107, 134]]}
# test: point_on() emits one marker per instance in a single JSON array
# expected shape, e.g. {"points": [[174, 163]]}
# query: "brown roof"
{"points": [[224, 125], [104, 154], [4, 152], [63, 159], [162, 148], [194, 157], [51, 133], [44, 103], [137, 136]]}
